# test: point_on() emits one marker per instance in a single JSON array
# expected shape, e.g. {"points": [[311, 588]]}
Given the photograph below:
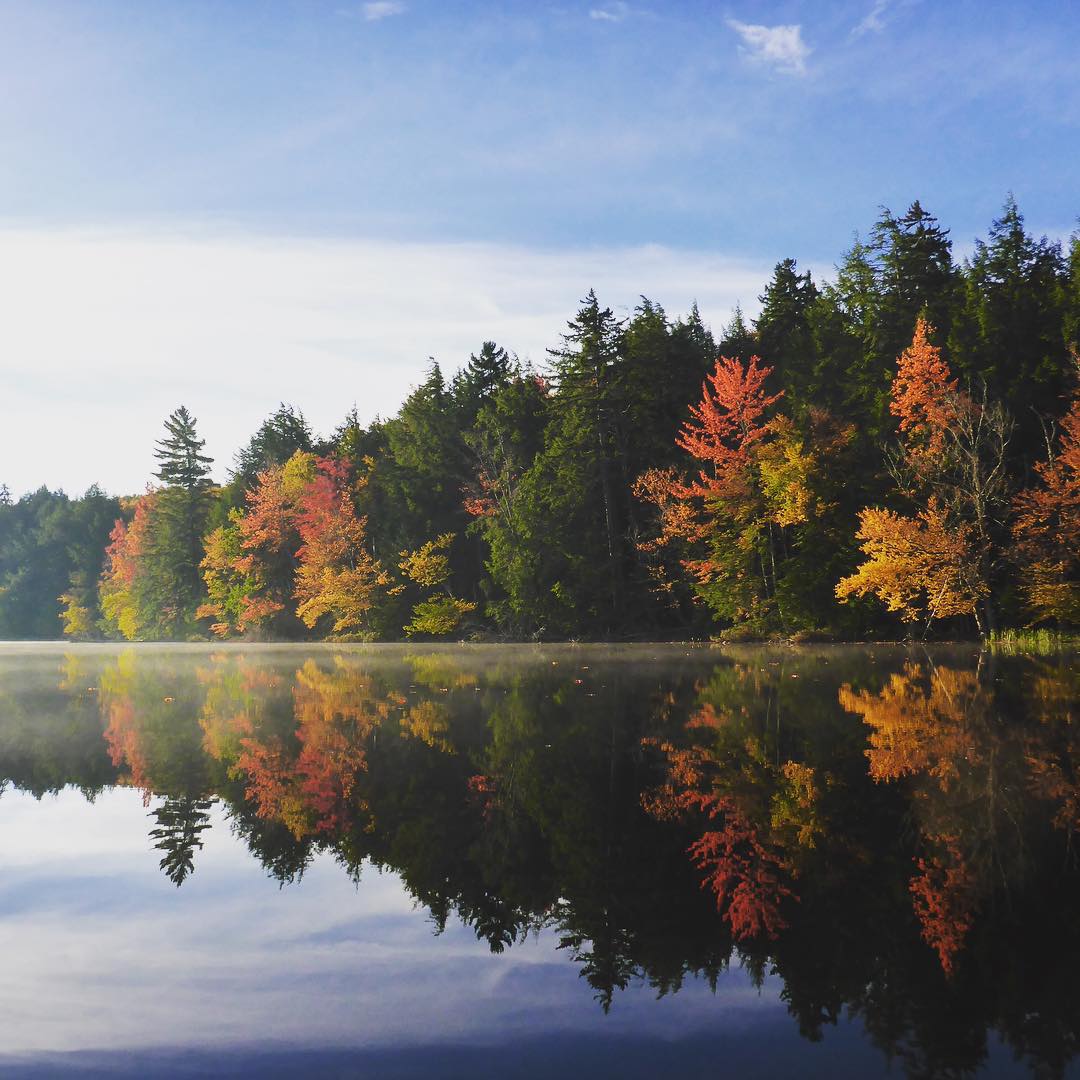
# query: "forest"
{"points": [[893, 452]]}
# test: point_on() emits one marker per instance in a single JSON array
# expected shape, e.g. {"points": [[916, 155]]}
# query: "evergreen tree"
{"points": [[485, 373], [846, 323], [737, 340], [172, 586], [1071, 322], [279, 436], [426, 464], [1013, 323], [785, 339], [503, 445], [916, 277], [51, 551], [587, 373]]}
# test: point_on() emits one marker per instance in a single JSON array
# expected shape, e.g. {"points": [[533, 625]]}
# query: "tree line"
{"points": [[893, 450]]}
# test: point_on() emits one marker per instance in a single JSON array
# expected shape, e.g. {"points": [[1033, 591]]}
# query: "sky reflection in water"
{"points": [[530, 798]]}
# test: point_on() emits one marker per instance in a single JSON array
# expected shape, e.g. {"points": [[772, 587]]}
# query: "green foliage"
{"points": [[52, 547], [280, 436], [438, 617], [172, 586]]}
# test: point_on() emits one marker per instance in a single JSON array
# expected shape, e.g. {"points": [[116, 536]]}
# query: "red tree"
{"points": [[1047, 527], [727, 422]]}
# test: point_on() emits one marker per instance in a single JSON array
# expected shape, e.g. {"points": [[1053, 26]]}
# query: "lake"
{"points": [[517, 861]]}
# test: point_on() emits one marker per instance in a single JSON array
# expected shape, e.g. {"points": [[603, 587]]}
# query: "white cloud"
{"points": [[872, 22], [780, 46], [105, 333], [614, 12], [383, 9]]}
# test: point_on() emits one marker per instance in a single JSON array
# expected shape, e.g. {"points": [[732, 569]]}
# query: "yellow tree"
{"points": [[428, 566], [336, 576], [921, 566], [950, 463], [121, 578]]}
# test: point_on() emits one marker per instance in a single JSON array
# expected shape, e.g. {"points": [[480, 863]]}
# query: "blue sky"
{"points": [[560, 146]]}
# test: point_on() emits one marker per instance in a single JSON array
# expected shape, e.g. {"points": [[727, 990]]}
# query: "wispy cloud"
{"points": [[614, 12], [873, 22], [234, 324], [383, 9], [781, 47]]}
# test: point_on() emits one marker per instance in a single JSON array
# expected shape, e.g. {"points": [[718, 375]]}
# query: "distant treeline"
{"points": [[900, 445]]}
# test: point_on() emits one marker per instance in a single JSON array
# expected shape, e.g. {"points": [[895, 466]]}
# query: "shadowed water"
{"points": [[515, 861]]}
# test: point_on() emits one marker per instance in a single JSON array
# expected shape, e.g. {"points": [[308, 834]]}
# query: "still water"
{"points": [[642, 861]]}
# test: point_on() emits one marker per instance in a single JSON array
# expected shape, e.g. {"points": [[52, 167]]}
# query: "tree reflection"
{"points": [[980, 773], [891, 833], [180, 823]]}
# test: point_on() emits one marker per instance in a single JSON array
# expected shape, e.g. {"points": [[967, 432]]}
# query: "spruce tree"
{"points": [[485, 373], [737, 340], [1014, 308], [587, 378], [916, 277], [785, 340]]}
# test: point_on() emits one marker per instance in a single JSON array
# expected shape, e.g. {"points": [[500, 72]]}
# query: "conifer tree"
{"points": [[785, 338], [179, 518], [1011, 335], [586, 373], [279, 436]]}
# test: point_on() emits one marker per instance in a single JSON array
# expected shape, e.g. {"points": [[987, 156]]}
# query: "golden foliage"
{"points": [[918, 566], [920, 722], [428, 565]]}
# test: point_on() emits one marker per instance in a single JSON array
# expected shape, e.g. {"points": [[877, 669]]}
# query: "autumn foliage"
{"points": [[1047, 527], [939, 561], [300, 540], [919, 567], [925, 397], [726, 424], [124, 569]]}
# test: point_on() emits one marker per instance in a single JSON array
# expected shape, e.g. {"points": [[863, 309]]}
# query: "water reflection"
{"points": [[889, 832]]}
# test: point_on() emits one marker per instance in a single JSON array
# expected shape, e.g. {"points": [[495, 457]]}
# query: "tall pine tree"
{"points": [[180, 515]]}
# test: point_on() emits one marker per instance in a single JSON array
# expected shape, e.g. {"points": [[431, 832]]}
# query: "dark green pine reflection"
{"points": [[180, 824]]}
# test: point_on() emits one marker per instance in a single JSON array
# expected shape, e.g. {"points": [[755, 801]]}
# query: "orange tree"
{"points": [[749, 526]]}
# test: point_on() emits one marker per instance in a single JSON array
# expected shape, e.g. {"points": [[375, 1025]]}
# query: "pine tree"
{"points": [[181, 463], [173, 583]]}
